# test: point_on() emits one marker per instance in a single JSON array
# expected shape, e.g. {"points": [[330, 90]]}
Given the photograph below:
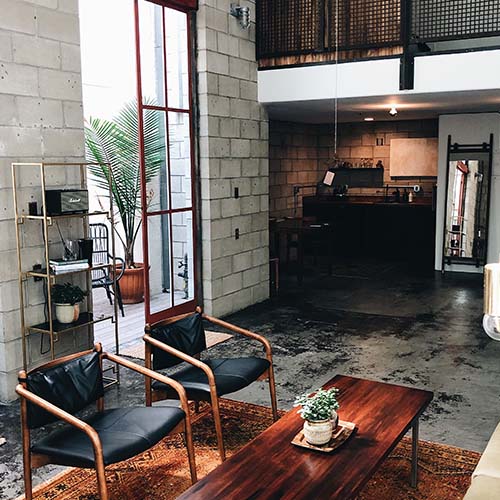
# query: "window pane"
{"points": [[159, 263], [177, 59], [180, 159], [183, 251], [152, 48], [155, 155]]}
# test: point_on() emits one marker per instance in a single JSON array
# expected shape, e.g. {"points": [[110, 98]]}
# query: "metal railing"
{"points": [[296, 27]]}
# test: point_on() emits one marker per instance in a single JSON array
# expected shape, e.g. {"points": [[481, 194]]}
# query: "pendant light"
{"points": [[336, 97]]}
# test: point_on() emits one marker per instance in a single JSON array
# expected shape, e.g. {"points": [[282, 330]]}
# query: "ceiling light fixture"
{"points": [[369, 119], [393, 111], [242, 14]]}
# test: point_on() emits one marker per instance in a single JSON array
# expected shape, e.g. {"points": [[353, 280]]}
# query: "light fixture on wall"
{"points": [[491, 318], [242, 14], [393, 111]]}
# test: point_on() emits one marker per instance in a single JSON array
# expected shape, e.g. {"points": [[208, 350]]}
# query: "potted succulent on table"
{"points": [[67, 300], [320, 415], [116, 143]]}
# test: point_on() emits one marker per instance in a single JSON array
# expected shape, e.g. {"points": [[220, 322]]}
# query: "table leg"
{"points": [[414, 454]]}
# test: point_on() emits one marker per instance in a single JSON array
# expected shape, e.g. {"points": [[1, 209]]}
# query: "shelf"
{"points": [[66, 216], [85, 319], [42, 273]]}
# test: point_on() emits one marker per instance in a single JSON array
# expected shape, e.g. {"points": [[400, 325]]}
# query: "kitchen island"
{"points": [[373, 226]]}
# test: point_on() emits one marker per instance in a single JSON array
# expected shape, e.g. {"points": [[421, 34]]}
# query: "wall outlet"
{"points": [[236, 192], [237, 234]]}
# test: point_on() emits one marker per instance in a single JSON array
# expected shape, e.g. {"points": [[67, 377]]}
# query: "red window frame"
{"points": [[185, 6]]}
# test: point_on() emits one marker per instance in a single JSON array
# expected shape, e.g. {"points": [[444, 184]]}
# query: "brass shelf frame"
{"points": [[51, 327]]}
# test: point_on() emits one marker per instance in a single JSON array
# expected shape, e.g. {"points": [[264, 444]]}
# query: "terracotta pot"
{"points": [[67, 313], [132, 284]]}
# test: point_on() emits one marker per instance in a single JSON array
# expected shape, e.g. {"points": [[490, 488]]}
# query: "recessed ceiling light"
{"points": [[369, 119]]}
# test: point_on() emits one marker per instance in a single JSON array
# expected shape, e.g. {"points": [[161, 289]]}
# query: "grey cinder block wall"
{"points": [[234, 154], [40, 118]]}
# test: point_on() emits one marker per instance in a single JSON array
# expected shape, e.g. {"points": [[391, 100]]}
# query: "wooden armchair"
{"points": [[59, 389], [182, 338]]}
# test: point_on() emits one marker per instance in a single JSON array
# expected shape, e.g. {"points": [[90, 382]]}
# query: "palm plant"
{"points": [[113, 148]]}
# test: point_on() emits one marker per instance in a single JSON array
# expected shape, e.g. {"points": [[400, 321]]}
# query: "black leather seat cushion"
{"points": [[231, 375], [124, 432]]}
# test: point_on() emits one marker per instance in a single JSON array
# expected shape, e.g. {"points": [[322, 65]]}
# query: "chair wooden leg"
{"points": [[28, 485], [272, 390], [188, 438], [218, 427], [101, 479]]}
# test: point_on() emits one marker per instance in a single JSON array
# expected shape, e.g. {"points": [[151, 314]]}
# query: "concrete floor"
{"points": [[375, 320]]}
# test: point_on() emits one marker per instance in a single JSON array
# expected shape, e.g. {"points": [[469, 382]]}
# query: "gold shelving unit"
{"points": [[51, 327]]}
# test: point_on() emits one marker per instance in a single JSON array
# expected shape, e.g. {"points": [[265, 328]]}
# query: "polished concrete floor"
{"points": [[376, 320]]}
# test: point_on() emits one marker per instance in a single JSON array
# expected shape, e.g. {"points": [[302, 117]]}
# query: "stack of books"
{"points": [[59, 266]]}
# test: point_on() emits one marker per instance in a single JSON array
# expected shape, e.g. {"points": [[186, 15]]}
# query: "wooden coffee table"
{"points": [[270, 467]]}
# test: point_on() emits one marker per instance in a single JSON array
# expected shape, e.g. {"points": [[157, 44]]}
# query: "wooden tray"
{"points": [[340, 436]]}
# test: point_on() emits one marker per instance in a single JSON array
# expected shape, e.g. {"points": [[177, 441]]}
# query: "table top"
{"points": [[270, 467]]}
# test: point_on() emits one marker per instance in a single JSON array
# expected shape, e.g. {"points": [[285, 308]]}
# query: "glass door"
{"points": [[165, 130]]}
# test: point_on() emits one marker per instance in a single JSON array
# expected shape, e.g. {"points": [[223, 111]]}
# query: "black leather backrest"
{"points": [[186, 335], [70, 386]]}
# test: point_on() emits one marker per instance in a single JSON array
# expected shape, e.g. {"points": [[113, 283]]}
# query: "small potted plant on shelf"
{"points": [[67, 300], [320, 415]]}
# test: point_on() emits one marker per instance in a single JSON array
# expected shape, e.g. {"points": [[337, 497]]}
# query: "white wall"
{"points": [[469, 129], [438, 73]]}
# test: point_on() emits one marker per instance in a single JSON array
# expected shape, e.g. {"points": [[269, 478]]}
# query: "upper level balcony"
{"points": [[387, 48]]}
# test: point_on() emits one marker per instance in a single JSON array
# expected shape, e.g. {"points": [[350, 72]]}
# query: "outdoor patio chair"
{"points": [[59, 389], [182, 338], [104, 276]]}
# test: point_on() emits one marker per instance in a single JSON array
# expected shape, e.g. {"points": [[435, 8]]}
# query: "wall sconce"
{"points": [[491, 318], [242, 14]]}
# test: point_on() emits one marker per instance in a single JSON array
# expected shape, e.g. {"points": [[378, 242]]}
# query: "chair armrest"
{"points": [[61, 414], [152, 374], [119, 259], [182, 355], [242, 331]]}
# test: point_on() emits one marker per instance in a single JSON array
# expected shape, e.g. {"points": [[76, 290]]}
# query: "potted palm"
{"points": [[67, 300], [320, 415], [115, 143]]}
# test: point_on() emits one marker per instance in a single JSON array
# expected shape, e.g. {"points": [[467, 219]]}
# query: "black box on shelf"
{"points": [[66, 201]]}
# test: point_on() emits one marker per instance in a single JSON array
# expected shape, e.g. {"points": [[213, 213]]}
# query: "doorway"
{"points": [[137, 73]]}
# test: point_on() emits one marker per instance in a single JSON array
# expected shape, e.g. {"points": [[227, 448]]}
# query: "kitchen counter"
{"points": [[369, 225]]}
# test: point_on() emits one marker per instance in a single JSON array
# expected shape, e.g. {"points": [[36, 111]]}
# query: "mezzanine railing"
{"points": [[297, 27]]}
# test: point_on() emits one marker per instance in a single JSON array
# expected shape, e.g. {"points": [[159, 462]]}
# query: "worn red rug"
{"points": [[162, 473]]}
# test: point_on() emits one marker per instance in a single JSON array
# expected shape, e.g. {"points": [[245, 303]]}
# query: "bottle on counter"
{"points": [[410, 197]]}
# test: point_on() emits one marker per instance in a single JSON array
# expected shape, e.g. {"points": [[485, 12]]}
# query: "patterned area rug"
{"points": [[137, 350], [162, 473]]}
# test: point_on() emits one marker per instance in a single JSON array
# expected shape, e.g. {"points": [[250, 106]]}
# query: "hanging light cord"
{"points": [[336, 105]]}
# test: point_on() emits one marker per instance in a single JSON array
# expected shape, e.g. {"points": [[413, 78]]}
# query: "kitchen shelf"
{"points": [[85, 319]]}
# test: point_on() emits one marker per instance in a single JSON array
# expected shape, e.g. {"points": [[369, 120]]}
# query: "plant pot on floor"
{"points": [[67, 313], [132, 284]]}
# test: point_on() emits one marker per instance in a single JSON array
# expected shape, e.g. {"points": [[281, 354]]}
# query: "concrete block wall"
{"points": [[40, 118], [233, 155], [301, 154]]}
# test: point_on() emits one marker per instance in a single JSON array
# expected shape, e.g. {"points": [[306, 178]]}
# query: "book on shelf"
{"points": [[65, 263], [66, 266]]}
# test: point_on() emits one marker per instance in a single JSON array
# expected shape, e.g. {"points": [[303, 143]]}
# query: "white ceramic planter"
{"points": [[67, 313], [318, 433]]}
